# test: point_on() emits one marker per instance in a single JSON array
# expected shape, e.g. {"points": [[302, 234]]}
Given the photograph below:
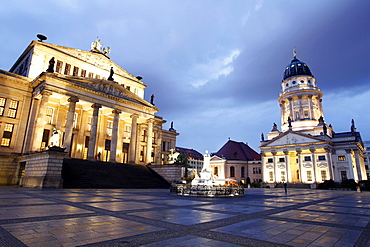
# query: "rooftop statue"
{"points": [[97, 47]]}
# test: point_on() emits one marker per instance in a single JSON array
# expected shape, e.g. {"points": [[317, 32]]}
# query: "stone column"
{"points": [[149, 142], [274, 163], [358, 167], [113, 143], [291, 109], [287, 168], [299, 164], [351, 167], [313, 164], [69, 123], [310, 108], [40, 122], [132, 148], [301, 115], [93, 132], [330, 165]]}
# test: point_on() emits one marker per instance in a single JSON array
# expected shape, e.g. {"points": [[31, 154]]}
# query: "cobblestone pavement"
{"points": [[148, 217]]}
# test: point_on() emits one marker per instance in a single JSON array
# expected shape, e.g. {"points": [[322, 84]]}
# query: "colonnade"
{"points": [[67, 142]]}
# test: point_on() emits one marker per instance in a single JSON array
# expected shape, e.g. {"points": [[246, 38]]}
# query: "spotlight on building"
{"points": [[42, 37]]}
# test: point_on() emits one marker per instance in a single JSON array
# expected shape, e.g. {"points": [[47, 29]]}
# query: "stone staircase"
{"points": [[78, 173]]}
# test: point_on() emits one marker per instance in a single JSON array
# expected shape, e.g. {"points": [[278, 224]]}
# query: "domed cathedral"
{"points": [[77, 102], [306, 149]]}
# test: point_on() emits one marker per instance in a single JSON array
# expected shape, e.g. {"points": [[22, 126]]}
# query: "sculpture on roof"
{"points": [[262, 137], [152, 99], [353, 128], [110, 78], [274, 127], [96, 46], [289, 122], [51, 65]]}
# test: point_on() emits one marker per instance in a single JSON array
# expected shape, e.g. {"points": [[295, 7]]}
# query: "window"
{"points": [[49, 115], [215, 171], [2, 106], [75, 118], [143, 135], [283, 176], [89, 120], [13, 106], [256, 170], [281, 159], [297, 115], [127, 132], [83, 72], [67, 69], [45, 138], [309, 176], [322, 157], [307, 158], [128, 88], [109, 128], [242, 171], [59, 66], [323, 175], [75, 71], [270, 160], [294, 82], [342, 158], [7, 135], [343, 175], [97, 76], [154, 137], [271, 176], [305, 114], [91, 75], [232, 171]]}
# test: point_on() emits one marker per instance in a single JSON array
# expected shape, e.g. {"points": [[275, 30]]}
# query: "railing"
{"points": [[207, 190]]}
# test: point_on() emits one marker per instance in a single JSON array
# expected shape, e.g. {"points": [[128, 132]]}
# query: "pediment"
{"points": [[292, 138], [216, 158]]}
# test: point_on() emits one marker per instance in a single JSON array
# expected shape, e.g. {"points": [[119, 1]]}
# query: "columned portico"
{"points": [[133, 138], [312, 150], [288, 176], [40, 122], [93, 133], [113, 144], [69, 123], [299, 164]]}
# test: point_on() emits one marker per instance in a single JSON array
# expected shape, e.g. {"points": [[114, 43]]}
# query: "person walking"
{"points": [[286, 187]]}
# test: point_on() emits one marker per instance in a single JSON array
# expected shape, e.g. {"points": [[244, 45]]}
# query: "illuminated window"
{"points": [[89, 120], [59, 66], [154, 135], [323, 175], [215, 171], [67, 69], [321, 157], [13, 106], [91, 75], [2, 106], [7, 135], [342, 158], [75, 71], [97, 76], [305, 114], [271, 176], [232, 171], [283, 176], [49, 115], [75, 118], [309, 176], [143, 135], [127, 131], [109, 128], [83, 73]]}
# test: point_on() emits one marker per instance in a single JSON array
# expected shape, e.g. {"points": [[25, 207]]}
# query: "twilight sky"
{"points": [[214, 66]]}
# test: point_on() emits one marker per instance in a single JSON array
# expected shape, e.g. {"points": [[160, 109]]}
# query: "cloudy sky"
{"points": [[214, 66]]}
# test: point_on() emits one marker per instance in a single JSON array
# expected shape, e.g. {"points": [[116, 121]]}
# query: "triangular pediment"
{"points": [[94, 58], [216, 158], [292, 138]]}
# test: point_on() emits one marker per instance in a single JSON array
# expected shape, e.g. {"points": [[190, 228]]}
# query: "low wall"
{"points": [[8, 170], [43, 170], [171, 173]]}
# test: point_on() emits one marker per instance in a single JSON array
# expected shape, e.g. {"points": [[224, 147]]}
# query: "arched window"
{"points": [[232, 171], [242, 171], [215, 171]]}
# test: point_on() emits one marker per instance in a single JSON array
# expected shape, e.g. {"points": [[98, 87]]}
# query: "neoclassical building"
{"points": [[306, 150], [80, 101]]}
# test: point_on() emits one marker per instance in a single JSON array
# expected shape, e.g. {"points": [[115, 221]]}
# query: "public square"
{"points": [[152, 217]]}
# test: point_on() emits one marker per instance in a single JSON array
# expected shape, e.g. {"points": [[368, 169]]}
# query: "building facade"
{"points": [[80, 101], [306, 149], [237, 161]]}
